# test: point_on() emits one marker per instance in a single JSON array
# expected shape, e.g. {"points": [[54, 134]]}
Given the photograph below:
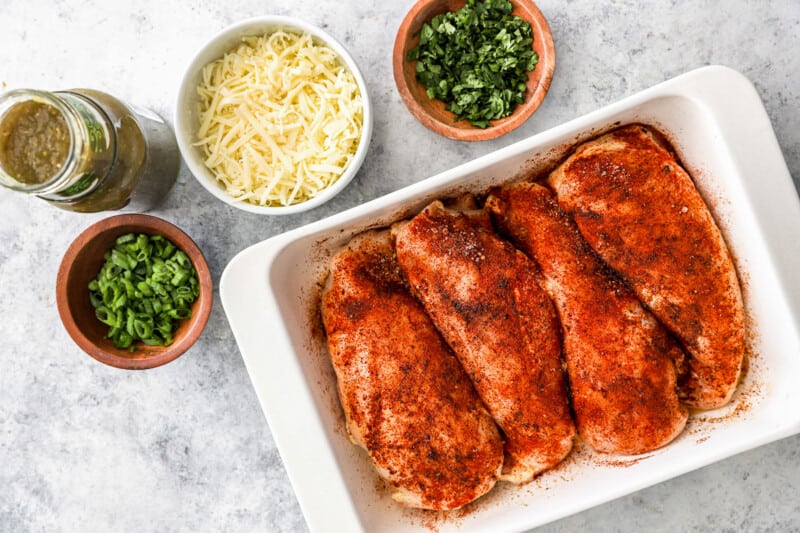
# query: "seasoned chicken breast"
{"points": [[640, 211], [406, 399], [483, 296], [621, 363]]}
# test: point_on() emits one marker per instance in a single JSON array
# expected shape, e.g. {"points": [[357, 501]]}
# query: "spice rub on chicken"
{"points": [[406, 399], [621, 362], [640, 211], [483, 296]]}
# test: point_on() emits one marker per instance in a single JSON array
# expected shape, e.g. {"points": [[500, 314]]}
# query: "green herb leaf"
{"points": [[476, 60]]}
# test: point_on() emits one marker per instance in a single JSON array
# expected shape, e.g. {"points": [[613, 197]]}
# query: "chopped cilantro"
{"points": [[476, 60]]}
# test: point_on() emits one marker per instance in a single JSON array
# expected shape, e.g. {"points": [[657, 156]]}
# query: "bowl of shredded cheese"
{"points": [[273, 116]]}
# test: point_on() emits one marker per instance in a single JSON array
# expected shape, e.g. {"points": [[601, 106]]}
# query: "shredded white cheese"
{"points": [[280, 119]]}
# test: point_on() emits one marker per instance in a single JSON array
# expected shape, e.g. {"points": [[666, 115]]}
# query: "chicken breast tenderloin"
{"points": [[406, 399], [482, 295], [620, 361], [640, 211]]}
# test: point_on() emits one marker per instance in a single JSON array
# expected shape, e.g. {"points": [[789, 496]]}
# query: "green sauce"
{"points": [[34, 142], [84, 150]]}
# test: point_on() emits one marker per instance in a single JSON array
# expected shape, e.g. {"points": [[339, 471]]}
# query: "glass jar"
{"points": [[85, 151]]}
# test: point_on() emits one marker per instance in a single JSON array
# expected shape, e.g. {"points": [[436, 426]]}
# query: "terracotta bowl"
{"points": [[431, 112], [80, 265]]}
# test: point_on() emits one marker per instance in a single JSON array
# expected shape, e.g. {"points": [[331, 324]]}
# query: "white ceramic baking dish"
{"points": [[720, 130]]}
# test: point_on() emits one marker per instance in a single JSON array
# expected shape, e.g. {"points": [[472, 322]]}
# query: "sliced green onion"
{"points": [[124, 239], [145, 285], [105, 316]]}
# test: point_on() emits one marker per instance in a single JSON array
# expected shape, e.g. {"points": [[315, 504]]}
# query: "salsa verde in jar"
{"points": [[85, 151]]}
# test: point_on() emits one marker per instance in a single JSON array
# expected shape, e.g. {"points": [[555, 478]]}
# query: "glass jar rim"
{"points": [[16, 96]]}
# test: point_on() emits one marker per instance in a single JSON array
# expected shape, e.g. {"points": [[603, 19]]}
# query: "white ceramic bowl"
{"points": [[187, 122]]}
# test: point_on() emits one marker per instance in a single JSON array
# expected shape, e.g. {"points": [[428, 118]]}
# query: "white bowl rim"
{"points": [[256, 26]]}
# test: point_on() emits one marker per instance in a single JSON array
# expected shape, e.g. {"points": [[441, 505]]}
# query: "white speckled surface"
{"points": [[185, 447]]}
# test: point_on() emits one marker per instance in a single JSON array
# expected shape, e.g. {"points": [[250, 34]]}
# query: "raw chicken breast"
{"points": [[483, 296], [642, 214], [620, 361], [406, 399]]}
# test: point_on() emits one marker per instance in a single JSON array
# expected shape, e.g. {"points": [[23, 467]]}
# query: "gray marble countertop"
{"points": [[185, 447]]}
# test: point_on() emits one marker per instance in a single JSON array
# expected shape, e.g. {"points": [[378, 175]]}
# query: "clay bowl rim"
{"points": [[93, 242], [441, 121]]}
